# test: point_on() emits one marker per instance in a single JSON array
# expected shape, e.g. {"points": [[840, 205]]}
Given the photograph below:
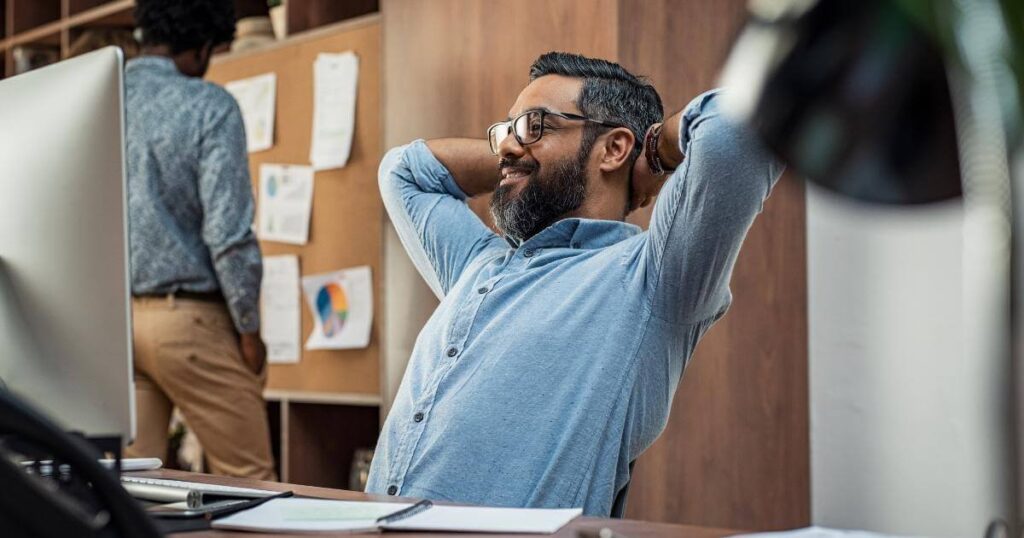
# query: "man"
{"points": [[195, 263], [551, 362]]}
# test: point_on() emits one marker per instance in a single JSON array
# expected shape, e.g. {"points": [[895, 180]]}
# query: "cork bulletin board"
{"points": [[346, 223]]}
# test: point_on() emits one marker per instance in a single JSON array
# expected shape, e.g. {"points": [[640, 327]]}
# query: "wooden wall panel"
{"points": [[735, 453]]}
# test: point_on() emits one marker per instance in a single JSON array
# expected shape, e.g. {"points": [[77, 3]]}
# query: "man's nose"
{"points": [[510, 148]]}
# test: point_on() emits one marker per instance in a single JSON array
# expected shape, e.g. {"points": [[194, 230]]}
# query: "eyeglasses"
{"points": [[528, 127]]}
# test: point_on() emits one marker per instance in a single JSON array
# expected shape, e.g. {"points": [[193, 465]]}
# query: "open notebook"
{"points": [[319, 515]]}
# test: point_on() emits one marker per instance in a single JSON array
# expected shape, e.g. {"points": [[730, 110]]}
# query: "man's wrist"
{"points": [[668, 144]]}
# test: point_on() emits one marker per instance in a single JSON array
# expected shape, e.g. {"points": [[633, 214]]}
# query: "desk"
{"points": [[626, 528]]}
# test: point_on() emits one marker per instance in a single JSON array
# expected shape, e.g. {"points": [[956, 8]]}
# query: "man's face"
{"points": [[547, 180]]}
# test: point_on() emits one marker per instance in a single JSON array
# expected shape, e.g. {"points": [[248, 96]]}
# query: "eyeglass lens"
{"points": [[528, 129]]}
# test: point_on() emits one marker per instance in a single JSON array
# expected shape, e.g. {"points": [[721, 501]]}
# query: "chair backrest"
{"points": [[619, 504]]}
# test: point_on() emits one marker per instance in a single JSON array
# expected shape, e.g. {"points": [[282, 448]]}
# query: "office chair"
{"points": [[619, 504]]}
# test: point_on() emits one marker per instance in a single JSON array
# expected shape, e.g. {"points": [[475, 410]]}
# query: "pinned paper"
{"points": [[257, 97], [342, 307], [335, 78], [285, 203], [280, 309]]}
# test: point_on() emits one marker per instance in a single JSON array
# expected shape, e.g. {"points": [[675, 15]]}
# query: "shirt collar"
{"points": [[153, 63], [579, 233]]}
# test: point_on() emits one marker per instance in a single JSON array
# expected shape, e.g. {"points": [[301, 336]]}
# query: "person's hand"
{"points": [[645, 184], [254, 352]]}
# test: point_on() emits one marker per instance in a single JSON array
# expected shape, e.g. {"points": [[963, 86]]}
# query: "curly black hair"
{"points": [[185, 24]]}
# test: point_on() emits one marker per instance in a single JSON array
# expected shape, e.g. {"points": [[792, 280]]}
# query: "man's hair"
{"points": [[185, 24], [609, 93]]}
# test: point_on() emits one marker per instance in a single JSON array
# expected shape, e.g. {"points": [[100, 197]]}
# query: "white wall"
{"points": [[906, 435]]}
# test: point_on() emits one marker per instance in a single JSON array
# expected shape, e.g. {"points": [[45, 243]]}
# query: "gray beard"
{"points": [[543, 200]]}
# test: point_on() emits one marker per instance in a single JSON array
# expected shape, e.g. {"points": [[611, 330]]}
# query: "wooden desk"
{"points": [[625, 528]]}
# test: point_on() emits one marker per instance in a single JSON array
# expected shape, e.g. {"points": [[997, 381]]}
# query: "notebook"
{"points": [[298, 515]]}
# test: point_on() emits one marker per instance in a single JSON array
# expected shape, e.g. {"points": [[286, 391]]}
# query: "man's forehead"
{"points": [[552, 92]]}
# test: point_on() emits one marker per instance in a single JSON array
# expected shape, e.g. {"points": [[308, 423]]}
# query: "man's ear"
{"points": [[617, 145]]}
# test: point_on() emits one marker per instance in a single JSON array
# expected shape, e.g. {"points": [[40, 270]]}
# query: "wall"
{"points": [[906, 435]]}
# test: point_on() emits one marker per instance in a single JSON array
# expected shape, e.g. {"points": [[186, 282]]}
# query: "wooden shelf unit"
{"points": [[58, 23]]}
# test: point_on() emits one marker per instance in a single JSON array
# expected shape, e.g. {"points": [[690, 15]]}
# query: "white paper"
{"points": [[342, 306], [280, 313], [485, 519], [286, 203], [319, 515], [309, 515], [335, 78], [814, 532], [256, 97]]}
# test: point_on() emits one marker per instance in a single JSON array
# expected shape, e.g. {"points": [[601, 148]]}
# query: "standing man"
{"points": [[195, 263], [551, 362]]}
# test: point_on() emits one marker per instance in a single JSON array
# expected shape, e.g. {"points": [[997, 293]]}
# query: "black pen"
{"points": [[405, 512], [238, 507]]}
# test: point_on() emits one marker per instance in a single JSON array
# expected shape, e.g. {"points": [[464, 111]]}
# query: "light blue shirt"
{"points": [[548, 368]]}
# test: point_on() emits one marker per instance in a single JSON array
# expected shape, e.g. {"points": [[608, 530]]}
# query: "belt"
{"points": [[206, 297]]}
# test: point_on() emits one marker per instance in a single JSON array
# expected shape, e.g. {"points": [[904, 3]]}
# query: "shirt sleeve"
{"points": [[439, 231], [703, 213], [225, 191]]}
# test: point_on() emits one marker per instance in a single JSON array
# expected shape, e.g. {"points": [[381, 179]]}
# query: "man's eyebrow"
{"points": [[534, 109]]}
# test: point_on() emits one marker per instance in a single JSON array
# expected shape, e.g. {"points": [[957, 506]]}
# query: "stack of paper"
{"points": [[318, 515]]}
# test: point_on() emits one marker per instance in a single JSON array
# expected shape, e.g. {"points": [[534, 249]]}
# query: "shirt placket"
{"points": [[450, 353]]}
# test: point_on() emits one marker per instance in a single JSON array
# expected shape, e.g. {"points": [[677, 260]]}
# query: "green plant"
{"points": [[274, 3]]}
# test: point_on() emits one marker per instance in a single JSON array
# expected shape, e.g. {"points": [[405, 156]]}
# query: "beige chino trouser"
{"points": [[187, 356]]}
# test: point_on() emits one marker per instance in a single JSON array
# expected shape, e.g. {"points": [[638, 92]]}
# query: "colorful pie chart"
{"points": [[332, 308]]}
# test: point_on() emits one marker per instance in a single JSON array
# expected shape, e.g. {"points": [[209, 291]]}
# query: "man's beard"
{"points": [[543, 199]]}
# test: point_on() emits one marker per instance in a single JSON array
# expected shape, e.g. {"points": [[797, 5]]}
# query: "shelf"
{"points": [[116, 13], [353, 399], [112, 13], [29, 15]]}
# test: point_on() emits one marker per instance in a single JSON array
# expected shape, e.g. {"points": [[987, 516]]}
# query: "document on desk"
{"points": [[257, 98], [335, 79], [318, 515], [815, 532]]}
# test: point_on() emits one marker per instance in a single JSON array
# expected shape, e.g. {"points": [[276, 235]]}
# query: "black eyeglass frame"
{"points": [[543, 113]]}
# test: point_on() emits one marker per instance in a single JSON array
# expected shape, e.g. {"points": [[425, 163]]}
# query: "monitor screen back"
{"points": [[65, 322]]}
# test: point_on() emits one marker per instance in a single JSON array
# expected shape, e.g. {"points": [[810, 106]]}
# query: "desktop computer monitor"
{"points": [[65, 323]]}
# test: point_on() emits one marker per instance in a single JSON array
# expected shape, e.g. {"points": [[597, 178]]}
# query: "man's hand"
{"points": [[254, 352], [645, 184]]}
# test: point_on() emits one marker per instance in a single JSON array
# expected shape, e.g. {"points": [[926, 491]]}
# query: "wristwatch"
{"points": [[651, 150]]}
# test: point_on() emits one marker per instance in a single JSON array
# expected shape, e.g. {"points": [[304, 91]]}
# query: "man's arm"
{"points": [[225, 191], [703, 211], [470, 162], [425, 195]]}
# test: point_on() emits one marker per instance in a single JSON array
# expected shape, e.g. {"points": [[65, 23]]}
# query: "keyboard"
{"points": [[193, 493]]}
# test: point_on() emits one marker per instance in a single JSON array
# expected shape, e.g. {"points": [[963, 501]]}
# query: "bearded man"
{"points": [[551, 362]]}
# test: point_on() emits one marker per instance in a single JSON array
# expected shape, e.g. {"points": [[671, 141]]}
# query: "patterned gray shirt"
{"points": [[189, 194]]}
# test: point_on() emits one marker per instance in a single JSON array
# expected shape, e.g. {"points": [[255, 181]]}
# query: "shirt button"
{"points": [[392, 490], [452, 352], [482, 290], [418, 417], [527, 253]]}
